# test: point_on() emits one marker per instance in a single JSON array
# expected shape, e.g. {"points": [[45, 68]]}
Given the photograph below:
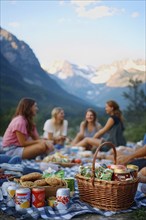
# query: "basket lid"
{"points": [[134, 167], [121, 171]]}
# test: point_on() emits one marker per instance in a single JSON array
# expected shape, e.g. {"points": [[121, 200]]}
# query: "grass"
{"points": [[139, 214]]}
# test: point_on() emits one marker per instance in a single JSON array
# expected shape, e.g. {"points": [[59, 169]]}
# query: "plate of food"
{"points": [[66, 164], [62, 160]]}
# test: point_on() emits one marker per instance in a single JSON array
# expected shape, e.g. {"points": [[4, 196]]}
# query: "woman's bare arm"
{"points": [[82, 128], [23, 142], [102, 131]]}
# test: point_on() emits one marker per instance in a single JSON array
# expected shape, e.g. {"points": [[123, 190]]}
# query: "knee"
{"points": [[79, 135], [86, 139], [42, 148]]}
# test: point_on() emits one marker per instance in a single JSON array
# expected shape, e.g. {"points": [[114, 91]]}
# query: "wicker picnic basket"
{"points": [[107, 195]]}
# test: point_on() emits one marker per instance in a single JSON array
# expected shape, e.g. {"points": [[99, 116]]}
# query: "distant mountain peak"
{"points": [[106, 72], [16, 50], [62, 67], [128, 64], [134, 65]]}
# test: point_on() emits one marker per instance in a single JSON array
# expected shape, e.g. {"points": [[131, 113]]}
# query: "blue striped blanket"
{"points": [[76, 206]]}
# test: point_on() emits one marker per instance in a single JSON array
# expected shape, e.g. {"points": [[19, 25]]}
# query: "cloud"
{"points": [[14, 24], [61, 2], [81, 3], [98, 12], [91, 10], [135, 14]]}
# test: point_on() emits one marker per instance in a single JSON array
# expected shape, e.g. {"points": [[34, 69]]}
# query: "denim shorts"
{"points": [[141, 162], [13, 150]]}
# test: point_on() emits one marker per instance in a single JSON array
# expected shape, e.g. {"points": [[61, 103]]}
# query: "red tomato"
{"points": [[77, 161]]}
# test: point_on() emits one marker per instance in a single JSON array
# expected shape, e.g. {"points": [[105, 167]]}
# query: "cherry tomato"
{"points": [[77, 161]]}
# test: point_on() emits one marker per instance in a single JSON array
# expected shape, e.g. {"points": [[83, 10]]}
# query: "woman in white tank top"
{"points": [[55, 129]]}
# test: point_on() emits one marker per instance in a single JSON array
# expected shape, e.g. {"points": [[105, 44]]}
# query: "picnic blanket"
{"points": [[76, 206]]}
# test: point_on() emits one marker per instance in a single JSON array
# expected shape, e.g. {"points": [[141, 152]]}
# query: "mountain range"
{"points": [[21, 75], [99, 84], [71, 86]]}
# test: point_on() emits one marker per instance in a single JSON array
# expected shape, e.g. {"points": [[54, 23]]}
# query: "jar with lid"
{"points": [[122, 175]]}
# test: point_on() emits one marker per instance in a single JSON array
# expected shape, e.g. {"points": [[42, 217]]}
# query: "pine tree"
{"points": [[136, 108]]}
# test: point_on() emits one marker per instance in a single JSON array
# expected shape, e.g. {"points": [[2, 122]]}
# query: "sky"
{"points": [[83, 32]]}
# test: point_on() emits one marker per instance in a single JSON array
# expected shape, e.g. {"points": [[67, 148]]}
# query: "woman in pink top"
{"points": [[21, 137]]}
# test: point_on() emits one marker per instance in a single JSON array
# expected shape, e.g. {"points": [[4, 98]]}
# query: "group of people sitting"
{"points": [[21, 137]]}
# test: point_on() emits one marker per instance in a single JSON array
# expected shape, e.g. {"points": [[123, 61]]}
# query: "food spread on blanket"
{"points": [[35, 185], [40, 185], [51, 200], [60, 158], [57, 157], [55, 179], [37, 180]]}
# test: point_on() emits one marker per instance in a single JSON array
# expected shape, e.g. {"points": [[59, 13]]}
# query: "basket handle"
{"points": [[95, 155]]}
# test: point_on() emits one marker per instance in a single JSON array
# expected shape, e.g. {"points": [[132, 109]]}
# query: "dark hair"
{"points": [[24, 109], [94, 114], [116, 109]]}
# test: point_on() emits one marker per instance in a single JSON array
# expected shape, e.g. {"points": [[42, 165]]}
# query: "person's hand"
{"points": [[122, 159], [49, 145], [60, 140]]}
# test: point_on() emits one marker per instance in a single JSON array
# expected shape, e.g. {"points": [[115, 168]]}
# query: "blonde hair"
{"points": [[55, 111], [54, 114]]}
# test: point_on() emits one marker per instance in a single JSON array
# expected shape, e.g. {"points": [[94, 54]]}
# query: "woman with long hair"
{"points": [[21, 137], [88, 127], [113, 128], [55, 129]]}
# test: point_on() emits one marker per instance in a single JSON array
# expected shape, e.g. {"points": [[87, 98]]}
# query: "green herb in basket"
{"points": [[59, 174], [99, 171], [85, 171], [107, 174]]}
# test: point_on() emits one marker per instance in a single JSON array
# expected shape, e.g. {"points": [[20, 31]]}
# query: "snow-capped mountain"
{"points": [[63, 69], [98, 84], [109, 73]]}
